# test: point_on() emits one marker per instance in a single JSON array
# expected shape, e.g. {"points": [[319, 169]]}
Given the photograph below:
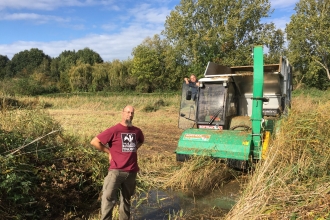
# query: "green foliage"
{"points": [[119, 76], [54, 69], [81, 78], [309, 34], [316, 94], [275, 46], [3, 63], [100, 77], [155, 65], [89, 56], [219, 31], [147, 64], [195, 32], [40, 166], [25, 62], [66, 60], [25, 86], [75, 71]]}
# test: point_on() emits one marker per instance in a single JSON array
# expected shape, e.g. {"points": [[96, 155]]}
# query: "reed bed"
{"points": [[200, 176], [106, 101], [294, 181]]}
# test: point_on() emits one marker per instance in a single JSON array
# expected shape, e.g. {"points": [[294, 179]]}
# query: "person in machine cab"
{"points": [[193, 82], [193, 85]]}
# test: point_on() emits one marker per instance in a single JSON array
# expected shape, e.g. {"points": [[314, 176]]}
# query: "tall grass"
{"points": [[106, 101], [294, 181]]}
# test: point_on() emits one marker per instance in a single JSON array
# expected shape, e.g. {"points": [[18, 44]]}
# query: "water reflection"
{"points": [[159, 205]]}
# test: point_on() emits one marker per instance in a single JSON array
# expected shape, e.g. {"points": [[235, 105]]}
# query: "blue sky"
{"points": [[109, 27]]}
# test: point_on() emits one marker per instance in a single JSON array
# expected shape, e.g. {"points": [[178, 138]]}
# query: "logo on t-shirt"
{"points": [[128, 142]]}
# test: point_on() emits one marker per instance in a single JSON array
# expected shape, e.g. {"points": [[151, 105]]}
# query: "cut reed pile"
{"points": [[200, 175], [294, 181], [197, 176]]}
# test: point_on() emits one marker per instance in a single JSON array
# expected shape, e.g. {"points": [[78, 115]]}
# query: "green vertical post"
{"points": [[257, 100]]}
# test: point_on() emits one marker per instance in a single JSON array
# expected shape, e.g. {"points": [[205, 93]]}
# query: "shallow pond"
{"points": [[159, 205]]}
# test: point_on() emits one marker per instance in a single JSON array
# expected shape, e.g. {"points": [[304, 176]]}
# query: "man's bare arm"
{"points": [[99, 146]]}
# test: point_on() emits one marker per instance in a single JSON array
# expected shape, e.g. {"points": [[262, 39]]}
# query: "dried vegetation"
{"points": [[294, 181], [49, 171]]}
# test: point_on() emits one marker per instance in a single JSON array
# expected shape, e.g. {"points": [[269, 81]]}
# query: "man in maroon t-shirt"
{"points": [[121, 142]]}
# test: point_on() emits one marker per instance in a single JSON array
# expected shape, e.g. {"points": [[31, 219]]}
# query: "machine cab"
{"points": [[213, 107], [224, 96]]}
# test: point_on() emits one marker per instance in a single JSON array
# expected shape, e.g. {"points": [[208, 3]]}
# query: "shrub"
{"points": [[44, 173]]}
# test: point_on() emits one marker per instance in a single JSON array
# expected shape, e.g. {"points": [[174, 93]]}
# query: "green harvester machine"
{"points": [[235, 111]]}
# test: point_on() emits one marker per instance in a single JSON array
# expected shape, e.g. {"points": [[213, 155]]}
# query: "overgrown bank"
{"points": [[294, 181], [45, 174], [60, 175]]}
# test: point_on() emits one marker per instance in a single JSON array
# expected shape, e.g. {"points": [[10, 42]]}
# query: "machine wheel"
{"points": [[241, 165], [182, 157], [245, 127]]}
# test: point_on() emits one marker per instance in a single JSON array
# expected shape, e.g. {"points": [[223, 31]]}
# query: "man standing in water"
{"points": [[123, 140]]}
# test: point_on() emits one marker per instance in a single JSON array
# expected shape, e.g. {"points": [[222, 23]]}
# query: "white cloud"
{"points": [[33, 16], [140, 22], [280, 4], [77, 27], [280, 23], [283, 10], [49, 4], [117, 46], [146, 13], [109, 26]]}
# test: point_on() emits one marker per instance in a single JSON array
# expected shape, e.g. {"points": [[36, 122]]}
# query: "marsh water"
{"points": [[159, 205]]}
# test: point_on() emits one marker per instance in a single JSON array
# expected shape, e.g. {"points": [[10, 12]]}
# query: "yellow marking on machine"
{"points": [[246, 143], [265, 145]]}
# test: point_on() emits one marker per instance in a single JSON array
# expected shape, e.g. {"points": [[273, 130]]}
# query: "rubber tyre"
{"points": [[182, 157]]}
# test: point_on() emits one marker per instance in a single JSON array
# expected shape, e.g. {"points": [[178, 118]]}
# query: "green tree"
{"points": [[117, 74], [155, 65], [44, 67], [221, 31], [66, 59], [89, 56], [100, 79], [276, 47], [130, 81], [26, 62], [69, 59], [308, 34], [80, 78], [4, 60], [54, 69]]}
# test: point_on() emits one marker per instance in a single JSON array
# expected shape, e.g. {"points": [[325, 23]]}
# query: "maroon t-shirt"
{"points": [[122, 141]]}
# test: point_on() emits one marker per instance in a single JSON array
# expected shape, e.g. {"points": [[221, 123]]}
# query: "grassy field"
{"points": [[86, 117], [292, 183], [157, 116]]}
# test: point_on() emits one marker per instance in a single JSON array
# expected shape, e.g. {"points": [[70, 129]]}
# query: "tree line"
{"points": [[195, 32]]}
